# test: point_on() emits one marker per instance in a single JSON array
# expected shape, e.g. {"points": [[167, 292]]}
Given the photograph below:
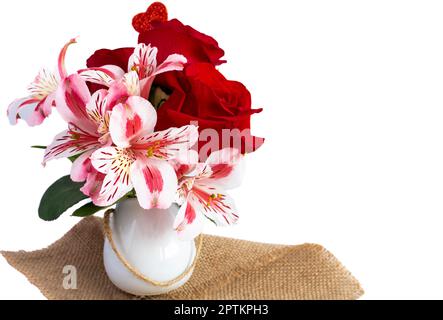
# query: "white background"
{"points": [[353, 98]]}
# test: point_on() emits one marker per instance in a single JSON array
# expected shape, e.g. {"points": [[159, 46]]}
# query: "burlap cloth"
{"points": [[226, 269]]}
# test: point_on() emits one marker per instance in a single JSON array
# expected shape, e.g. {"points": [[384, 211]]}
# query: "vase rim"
{"points": [[132, 200]]}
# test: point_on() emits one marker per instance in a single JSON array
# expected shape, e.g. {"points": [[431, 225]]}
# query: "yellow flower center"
{"points": [[75, 136], [150, 152], [213, 198]]}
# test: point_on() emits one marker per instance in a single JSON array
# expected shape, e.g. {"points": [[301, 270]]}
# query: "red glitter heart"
{"points": [[157, 11], [141, 23]]}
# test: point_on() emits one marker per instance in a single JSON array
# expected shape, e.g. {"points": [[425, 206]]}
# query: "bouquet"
{"points": [[157, 122]]}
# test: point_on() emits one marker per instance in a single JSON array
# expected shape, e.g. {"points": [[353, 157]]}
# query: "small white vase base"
{"points": [[145, 241]]}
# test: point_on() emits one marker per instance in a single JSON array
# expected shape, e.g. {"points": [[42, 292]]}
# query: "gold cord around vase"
{"points": [[138, 274]]}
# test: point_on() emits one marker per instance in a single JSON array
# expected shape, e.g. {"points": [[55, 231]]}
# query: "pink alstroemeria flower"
{"points": [[142, 70], [36, 107], [202, 194], [140, 157], [88, 118]]}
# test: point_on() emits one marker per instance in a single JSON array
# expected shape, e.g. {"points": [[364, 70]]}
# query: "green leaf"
{"points": [[61, 196], [73, 158], [131, 194], [39, 147], [87, 210]]}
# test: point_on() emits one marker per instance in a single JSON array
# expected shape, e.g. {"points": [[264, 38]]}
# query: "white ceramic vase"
{"points": [[147, 241]]}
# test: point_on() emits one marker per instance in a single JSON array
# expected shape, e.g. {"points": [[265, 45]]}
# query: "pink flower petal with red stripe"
{"points": [[117, 93], [132, 83], [26, 109], [185, 163], [98, 111], [13, 108], [105, 75], [168, 144], [155, 182], [71, 100], [116, 164], [130, 120], [226, 169], [175, 62], [32, 114], [81, 167], [189, 223], [214, 204], [38, 106], [115, 186], [93, 185], [70, 143], [143, 60], [103, 158], [61, 59]]}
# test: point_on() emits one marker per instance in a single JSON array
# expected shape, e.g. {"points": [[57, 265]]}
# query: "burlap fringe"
{"points": [[226, 269]]}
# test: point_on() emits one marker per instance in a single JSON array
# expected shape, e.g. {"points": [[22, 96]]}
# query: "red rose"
{"points": [[103, 57], [169, 37], [118, 57], [173, 37], [201, 93]]}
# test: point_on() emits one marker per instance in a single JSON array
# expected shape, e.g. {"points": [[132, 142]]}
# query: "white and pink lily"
{"points": [[139, 159], [202, 192], [142, 70], [36, 107]]}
